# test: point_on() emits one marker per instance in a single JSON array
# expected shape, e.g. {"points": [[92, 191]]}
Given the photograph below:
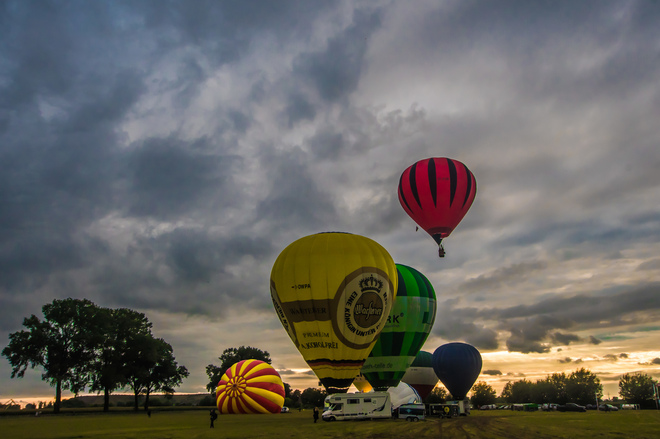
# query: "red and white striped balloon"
{"points": [[250, 386]]}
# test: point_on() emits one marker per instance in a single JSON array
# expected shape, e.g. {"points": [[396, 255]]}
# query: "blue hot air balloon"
{"points": [[457, 365]]}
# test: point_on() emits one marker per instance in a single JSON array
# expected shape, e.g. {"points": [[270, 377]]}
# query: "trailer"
{"points": [[443, 410], [451, 409], [411, 412], [346, 406]]}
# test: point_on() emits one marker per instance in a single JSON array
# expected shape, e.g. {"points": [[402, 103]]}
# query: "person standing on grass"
{"points": [[214, 416], [316, 414]]}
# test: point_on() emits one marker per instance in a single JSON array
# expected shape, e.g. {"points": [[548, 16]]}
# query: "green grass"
{"points": [[187, 424]]}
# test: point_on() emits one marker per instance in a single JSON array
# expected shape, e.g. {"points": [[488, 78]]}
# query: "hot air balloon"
{"points": [[458, 366], [333, 293], [250, 386], [437, 193], [420, 375], [407, 328], [361, 384], [403, 393]]}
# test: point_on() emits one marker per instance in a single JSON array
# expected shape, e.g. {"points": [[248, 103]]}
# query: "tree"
{"points": [[517, 391], [558, 382], [313, 397], [483, 394], [229, 357], [437, 396], [636, 388], [154, 368], [62, 344], [583, 387], [121, 329]]}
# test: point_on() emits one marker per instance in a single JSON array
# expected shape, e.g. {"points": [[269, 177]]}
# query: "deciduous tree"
{"points": [[121, 329], [636, 388], [583, 387], [437, 396], [483, 394], [154, 368], [63, 344]]}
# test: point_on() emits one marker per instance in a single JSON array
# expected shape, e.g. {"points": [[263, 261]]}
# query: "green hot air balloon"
{"points": [[405, 332]]}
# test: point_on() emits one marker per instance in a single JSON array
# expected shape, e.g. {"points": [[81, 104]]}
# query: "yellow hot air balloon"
{"points": [[333, 293]]}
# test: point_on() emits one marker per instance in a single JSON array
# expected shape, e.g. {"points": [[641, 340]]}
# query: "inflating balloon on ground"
{"points": [[408, 326], [332, 293], [458, 366], [250, 386], [420, 375]]}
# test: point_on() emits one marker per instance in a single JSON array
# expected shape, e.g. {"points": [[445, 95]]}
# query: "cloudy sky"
{"points": [[158, 155]]}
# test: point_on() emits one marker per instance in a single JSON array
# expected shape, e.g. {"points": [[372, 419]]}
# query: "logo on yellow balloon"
{"points": [[361, 305]]}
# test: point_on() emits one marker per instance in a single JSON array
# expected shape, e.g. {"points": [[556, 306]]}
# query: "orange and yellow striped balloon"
{"points": [[250, 386]]}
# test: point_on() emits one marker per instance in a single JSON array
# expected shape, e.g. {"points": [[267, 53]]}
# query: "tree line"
{"points": [[80, 345], [582, 387]]}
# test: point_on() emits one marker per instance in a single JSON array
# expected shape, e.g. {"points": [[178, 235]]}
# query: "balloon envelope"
{"points": [[437, 193], [408, 325], [420, 375], [403, 394], [250, 386], [458, 366], [361, 383], [332, 293]]}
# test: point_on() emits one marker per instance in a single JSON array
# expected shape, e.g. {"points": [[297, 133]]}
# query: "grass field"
{"points": [[177, 424]]}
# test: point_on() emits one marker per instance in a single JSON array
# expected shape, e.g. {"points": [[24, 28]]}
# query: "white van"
{"points": [[345, 406]]}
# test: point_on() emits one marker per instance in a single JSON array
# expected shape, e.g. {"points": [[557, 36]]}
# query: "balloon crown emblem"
{"points": [[371, 285]]}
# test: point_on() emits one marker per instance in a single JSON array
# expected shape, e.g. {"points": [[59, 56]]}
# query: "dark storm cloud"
{"points": [[531, 334], [594, 308], [157, 154], [335, 72], [197, 257], [594, 340], [491, 372], [224, 30], [537, 36], [534, 328], [502, 276], [293, 198], [458, 324], [531, 326], [563, 339], [172, 177], [653, 264], [298, 108]]}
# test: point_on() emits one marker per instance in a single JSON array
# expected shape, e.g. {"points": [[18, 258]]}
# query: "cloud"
{"points": [[567, 360], [491, 372], [166, 176]]}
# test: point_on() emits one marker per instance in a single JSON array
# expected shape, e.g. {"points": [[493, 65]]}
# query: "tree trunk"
{"points": [[137, 395], [58, 396], [146, 401], [106, 400]]}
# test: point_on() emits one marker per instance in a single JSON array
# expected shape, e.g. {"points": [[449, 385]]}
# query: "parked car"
{"points": [[608, 408], [571, 407], [591, 406], [549, 406]]}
